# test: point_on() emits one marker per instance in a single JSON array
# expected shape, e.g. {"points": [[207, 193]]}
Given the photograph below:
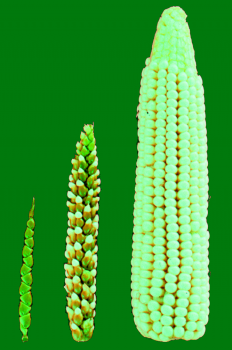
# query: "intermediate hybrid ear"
{"points": [[81, 243]]}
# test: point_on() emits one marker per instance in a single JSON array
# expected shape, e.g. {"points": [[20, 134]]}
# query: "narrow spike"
{"points": [[26, 276]]}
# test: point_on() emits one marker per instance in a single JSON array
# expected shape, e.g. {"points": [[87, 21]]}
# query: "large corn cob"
{"points": [[81, 248], [170, 283], [26, 276]]}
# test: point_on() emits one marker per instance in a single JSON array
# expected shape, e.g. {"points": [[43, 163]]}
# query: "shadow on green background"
{"points": [[63, 66]]}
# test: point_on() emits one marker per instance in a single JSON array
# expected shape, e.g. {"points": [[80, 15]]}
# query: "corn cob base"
{"points": [[81, 249], [170, 283], [26, 277]]}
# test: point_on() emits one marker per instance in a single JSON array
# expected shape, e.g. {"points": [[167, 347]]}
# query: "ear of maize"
{"points": [[26, 276], [170, 282], [81, 247]]}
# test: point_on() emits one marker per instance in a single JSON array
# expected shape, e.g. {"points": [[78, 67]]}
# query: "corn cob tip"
{"points": [[173, 40], [31, 212], [88, 128], [91, 125], [175, 12]]}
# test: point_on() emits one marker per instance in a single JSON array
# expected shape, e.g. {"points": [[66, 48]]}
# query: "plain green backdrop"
{"points": [[66, 64]]}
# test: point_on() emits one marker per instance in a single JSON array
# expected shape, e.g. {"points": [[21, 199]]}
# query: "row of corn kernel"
{"points": [[191, 326], [166, 207], [181, 321], [164, 202], [203, 202], [147, 267], [143, 323], [142, 307], [139, 203], [154, 147], [182, 285]]}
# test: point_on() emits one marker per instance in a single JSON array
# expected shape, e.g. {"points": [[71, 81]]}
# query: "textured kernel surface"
{"points": [[81, 241], [170, 282]]}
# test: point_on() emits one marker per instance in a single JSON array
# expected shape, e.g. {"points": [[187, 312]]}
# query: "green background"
{"points": [[66, 64]]}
